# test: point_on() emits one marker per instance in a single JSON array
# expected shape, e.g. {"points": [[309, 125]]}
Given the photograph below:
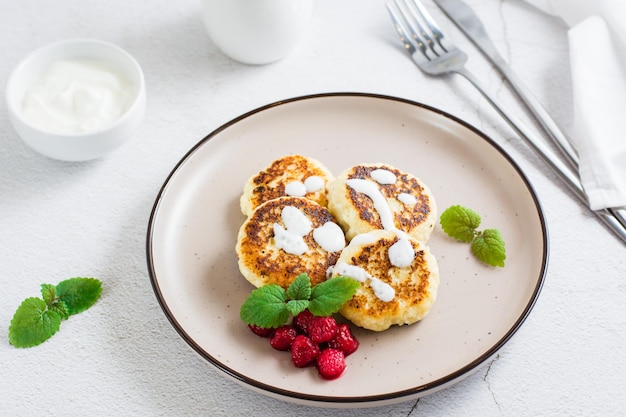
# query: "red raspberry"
{"points": [[302, 320], [283, 337], [344, 340], [322, 329], [303, 351], [331, 363], [261, 331]]}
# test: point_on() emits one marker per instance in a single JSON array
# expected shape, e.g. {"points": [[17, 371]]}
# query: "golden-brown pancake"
{"points": [[285, 237], [389, 294], [291, 175], [402, 199]]}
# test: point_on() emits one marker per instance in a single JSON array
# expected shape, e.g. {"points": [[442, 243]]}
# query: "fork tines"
{"points": [[416, 28]]}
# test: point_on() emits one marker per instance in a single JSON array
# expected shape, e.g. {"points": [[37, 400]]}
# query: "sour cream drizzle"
{"points": [[297, 225], [291, 237], [371, 190], [300, 189], [383, 176], [314, 183], [330, 237], [295, 189], [401, 253], [407, 199], [382, 290]]}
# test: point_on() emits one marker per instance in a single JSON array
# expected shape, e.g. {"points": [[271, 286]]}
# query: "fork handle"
{"points": [[563, 171]]}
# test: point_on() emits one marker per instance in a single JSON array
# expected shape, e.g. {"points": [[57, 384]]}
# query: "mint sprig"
{"points": [[38, 319], [271, 306], [329, 296], [461, 223]]}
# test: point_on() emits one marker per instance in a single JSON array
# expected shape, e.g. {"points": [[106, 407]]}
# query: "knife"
{"points": [[470, 24]]}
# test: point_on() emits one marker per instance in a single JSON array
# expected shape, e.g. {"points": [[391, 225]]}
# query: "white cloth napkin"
{"points": [[597, 40]]}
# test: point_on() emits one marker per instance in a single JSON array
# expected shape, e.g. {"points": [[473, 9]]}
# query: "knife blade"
{"points": [[471, 25]]}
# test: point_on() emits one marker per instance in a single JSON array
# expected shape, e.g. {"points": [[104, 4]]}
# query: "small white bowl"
{"points": [[85, 145]]}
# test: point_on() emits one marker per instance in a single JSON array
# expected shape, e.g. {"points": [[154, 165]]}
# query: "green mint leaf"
{"points": [[296, 307], [78, 294], [489, 247], [300, 288], [37, 319], [460, 223], [33, 323], [49, 293], [265, 307], [329, 296], [60, 308]]}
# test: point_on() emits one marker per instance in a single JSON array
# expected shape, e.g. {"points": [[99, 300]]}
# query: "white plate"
{"points": [[196, 216]]}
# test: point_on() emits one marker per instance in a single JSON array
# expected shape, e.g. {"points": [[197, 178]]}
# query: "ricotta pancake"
{"points": [[399, 279], [291, 175], [369, 197], [285, 237]]}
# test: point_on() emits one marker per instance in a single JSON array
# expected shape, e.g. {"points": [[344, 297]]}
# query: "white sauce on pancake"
{"points": [[291, 237], [382, 290], [300, 189], [383, 176], [289, 242], [314, 183], [401, 253], [297, 225], [296, 221], [407, 199], [371, 190], [330, 237], [295, 189]]}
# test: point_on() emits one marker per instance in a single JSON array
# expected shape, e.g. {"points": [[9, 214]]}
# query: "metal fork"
{"points": [[434, 54]]}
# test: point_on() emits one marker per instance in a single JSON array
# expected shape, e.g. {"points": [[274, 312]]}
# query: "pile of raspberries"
{"points": [[313, 340]]}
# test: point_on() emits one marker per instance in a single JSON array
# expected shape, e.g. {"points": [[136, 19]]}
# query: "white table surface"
{"points": [[122, 357]]}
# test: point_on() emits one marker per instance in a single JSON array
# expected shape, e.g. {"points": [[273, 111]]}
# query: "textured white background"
{"points": [[122, 357]]}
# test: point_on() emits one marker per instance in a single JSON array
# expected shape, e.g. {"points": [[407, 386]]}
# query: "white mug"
{"points": [[256, 31]]}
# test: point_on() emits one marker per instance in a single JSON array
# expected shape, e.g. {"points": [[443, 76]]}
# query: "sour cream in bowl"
{"points": [[77, 99]]}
